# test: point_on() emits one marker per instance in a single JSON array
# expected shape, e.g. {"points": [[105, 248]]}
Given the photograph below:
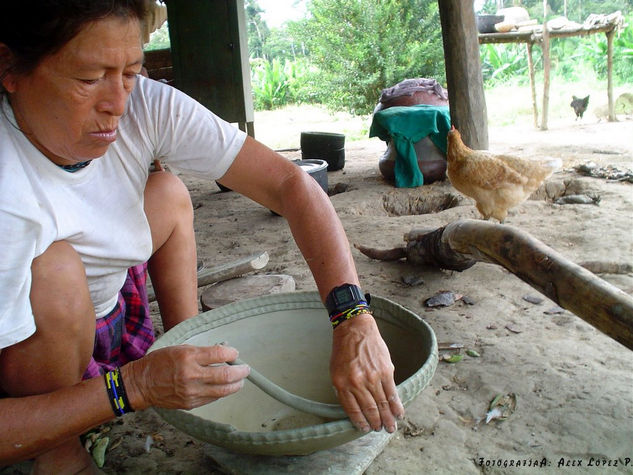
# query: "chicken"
{"points": [[496, 182], [579, 105]]}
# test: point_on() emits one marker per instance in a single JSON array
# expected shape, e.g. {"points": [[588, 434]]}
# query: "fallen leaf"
{"points": [[513, 328], [99, 449], [556, 310], [412, 430], [533, 299], [452, 358], [412, 280], [441, 299], [501, 407]]}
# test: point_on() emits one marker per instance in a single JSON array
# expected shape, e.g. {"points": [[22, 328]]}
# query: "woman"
{"points": [[80, 215]]}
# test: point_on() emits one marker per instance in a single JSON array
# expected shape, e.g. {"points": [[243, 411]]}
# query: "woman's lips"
{"points": [[107, 136]]}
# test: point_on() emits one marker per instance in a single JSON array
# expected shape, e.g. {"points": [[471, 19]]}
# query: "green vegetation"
{"points": [[572, 58], [346, 51], [159, 39]]}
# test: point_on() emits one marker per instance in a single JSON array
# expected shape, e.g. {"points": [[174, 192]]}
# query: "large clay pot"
{"points": [[410, 92], [431, 161], [288, 338]]}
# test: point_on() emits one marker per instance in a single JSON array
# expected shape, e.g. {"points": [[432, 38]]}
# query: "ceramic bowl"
{"points": [[287, 338]]}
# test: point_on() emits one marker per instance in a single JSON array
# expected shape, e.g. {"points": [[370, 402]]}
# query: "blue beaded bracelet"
{"points": [[116, 393]]}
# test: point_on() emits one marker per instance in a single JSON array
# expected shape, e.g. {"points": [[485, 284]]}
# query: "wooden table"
{"points": [[542, 36]]}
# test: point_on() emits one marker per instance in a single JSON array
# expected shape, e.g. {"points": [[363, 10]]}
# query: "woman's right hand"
{"points": [[183, 377]]}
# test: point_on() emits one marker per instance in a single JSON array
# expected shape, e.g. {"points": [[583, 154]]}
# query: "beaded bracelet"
{"points": [[337, 318], [116, 393]]}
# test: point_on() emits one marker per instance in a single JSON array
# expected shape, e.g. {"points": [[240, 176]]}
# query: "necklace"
{"points": [[75, 166]]}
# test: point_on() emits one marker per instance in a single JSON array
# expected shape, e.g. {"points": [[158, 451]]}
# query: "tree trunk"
{"points": [[463, 72]]}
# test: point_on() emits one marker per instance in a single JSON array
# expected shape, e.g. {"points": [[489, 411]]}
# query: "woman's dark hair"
{"points": [[33, 30]]}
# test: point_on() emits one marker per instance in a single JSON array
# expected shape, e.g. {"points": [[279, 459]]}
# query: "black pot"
{"points": [[486, 23], [328, 146]]}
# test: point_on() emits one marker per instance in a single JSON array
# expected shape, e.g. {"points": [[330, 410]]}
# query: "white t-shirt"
{"points": [[98, 209]]}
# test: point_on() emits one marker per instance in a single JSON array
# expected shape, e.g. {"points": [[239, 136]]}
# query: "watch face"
{"points": [[343, 295]]}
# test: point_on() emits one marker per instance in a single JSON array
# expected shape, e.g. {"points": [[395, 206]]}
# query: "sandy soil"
{"points": [[573, 384]]}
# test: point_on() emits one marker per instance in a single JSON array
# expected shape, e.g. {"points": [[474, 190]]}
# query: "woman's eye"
{"points": [[89, 81]]}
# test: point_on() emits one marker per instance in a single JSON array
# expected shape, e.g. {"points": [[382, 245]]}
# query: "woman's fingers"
{"points": [[371, 410], [362, 374], [184, 376]]}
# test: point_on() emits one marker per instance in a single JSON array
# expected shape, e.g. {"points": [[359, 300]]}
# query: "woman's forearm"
{"points": [[324, 245], [34, 424]]}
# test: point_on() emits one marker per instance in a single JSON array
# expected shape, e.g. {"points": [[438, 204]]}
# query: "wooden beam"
{"points": [[546, 68], [532, 82], [610, 34], [463, 72]]}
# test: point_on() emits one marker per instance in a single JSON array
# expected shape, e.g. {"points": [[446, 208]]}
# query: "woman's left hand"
{"points": [[362, 374]]}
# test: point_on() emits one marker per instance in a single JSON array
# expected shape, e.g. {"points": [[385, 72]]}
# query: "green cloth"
{"points": [[405, 126]]}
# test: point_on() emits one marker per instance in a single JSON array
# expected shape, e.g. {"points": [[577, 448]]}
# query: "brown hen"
{"points": [[496, 182]]}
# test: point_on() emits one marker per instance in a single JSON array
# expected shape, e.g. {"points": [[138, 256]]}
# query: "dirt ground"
{"points": [[573, 384]]}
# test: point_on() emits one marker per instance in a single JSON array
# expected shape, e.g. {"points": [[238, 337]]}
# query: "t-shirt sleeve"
{"points": [[186, 135]]}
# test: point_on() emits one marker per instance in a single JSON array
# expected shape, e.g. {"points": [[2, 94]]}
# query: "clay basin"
{"points": [[287, 338]]}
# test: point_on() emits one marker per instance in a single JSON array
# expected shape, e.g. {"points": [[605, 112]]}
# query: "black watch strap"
{"points": [[344, 297]]}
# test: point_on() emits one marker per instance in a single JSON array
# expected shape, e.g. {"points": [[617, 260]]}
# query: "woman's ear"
{"points": [[7, 79]]}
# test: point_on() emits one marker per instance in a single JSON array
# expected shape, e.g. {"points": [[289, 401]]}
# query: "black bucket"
{"points": [[328, 146]]}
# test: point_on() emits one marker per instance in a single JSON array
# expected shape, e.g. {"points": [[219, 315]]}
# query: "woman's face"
{"points": [[70, 105]]}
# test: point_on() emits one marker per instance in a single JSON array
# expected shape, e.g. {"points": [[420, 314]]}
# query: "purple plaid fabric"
{"points": [[126, 333]]}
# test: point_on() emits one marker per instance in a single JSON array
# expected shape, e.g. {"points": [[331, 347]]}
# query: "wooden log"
{"points": [[571, 286], [225, 271], [574, 288]]}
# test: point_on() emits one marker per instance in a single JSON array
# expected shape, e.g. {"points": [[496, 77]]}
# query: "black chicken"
{"points": [[579, 105]]}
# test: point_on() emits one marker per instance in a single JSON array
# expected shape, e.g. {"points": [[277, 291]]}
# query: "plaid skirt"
{"points": [[126, 333]]}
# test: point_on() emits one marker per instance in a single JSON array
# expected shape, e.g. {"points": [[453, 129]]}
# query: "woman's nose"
{"points": [[114, 97]]}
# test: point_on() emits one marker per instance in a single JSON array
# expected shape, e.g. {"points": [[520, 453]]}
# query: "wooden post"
{"points": [[610, 33], [532, 82], [463, 72], [546, 68]]}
